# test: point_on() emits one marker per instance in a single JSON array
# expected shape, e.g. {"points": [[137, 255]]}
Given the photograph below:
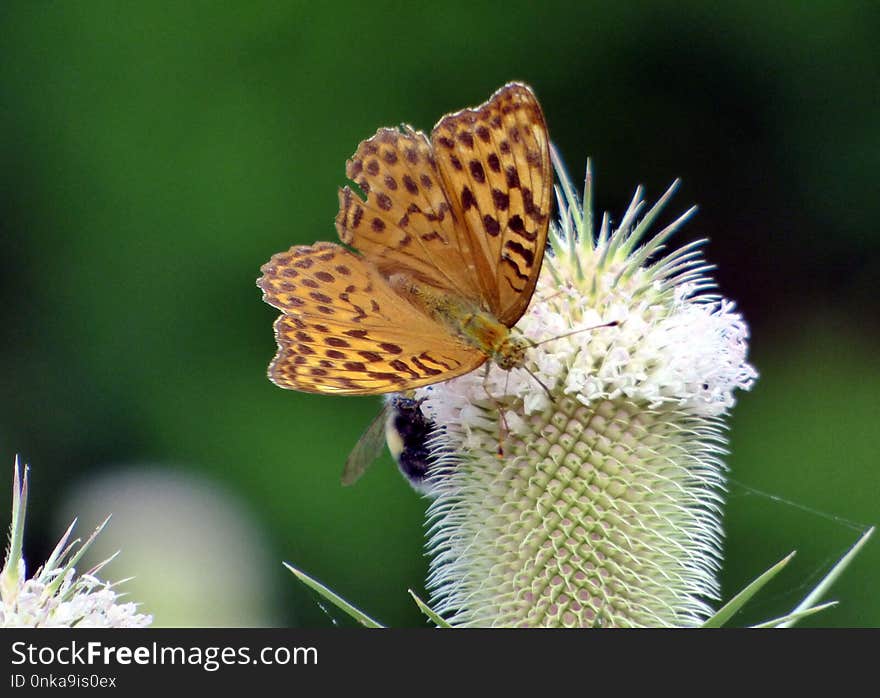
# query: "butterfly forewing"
{"points": [[406, 224], [345, 330], [495, 164]]}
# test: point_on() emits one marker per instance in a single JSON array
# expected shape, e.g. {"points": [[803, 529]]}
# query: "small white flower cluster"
{"points": [[671, 343], [81, 602], [55, 597]]}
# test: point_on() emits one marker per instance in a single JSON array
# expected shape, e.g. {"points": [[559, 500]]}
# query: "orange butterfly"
{"points": [[448, 247]]}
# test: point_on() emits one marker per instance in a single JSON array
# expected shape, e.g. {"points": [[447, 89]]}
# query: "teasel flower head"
{"points": [[55, 596], [596, 501]]}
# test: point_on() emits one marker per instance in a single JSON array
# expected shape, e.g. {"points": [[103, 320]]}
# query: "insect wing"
{"points": [[368, 448]]}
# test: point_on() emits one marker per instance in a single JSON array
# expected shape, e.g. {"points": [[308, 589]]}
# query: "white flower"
{"points": [[55, 597], [603, 507]]}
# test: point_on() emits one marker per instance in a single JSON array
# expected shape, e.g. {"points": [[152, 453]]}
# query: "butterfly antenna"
{"points": [[613, 323]]}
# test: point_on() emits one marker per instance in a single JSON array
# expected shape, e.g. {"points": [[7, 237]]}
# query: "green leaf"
{"points": [[334, 598], [792, 617], [822, 587], [428, 611], [727, 611]]}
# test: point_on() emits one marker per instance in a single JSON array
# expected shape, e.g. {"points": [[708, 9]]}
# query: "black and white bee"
{"points": [[406, 430]]}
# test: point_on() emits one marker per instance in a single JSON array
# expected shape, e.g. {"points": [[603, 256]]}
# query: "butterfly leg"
{"points": [[552, 296], [503, 429]]}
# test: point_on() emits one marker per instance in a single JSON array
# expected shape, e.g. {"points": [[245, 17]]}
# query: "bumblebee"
{"points": [[405, 429]]}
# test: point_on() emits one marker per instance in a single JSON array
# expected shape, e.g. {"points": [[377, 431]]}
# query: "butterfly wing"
{"points": [[406, 224], [495, 165], [344, 330]]}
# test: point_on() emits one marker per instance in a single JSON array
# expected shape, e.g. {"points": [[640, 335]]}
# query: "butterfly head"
{"points": [[511, 352]]}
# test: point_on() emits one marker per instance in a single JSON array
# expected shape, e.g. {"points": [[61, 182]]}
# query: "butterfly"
{"points": [[440, 256]]}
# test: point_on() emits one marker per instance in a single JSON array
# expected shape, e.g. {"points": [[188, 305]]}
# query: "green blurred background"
{"points": [[156, 154]]}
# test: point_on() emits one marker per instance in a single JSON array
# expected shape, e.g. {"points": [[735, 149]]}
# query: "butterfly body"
{"points": [[477, 328], [448, 241]]}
